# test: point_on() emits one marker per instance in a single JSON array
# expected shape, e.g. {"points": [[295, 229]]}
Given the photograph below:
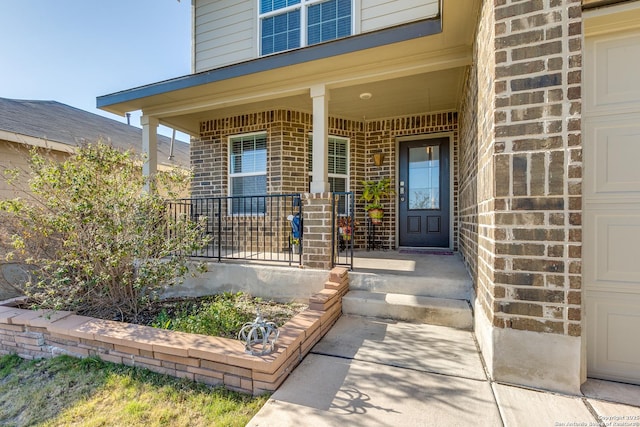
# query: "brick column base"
{"points": [[316, 251]]}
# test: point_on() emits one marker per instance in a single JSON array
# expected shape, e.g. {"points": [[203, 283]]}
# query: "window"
{"points": [[338, 167], [288, 24], [424, 177], [248, 173]]}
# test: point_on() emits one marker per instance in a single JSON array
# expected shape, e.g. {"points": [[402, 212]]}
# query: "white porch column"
{"points": [[320, 181], [149, 147]]}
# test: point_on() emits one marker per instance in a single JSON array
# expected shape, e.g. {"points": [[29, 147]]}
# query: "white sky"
{"points": [[72, 51]]}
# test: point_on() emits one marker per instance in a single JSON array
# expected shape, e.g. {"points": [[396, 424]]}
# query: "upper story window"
{"points": [[248, 173], [288, 24]]}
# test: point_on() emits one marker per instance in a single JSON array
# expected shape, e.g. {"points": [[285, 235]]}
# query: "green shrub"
{"points": [[96, 241]]}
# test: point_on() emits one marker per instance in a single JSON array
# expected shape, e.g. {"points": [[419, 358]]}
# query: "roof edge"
{"points": [[418, 29]]}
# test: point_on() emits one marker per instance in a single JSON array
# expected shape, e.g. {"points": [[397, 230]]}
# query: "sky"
{"points": [[73, 51]]}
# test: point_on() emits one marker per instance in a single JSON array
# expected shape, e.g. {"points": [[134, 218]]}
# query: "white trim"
{"points": [[320, 128], [149, 148], [280, 11], [419, 137], [241, 135], [356, 10], [304, 33]]}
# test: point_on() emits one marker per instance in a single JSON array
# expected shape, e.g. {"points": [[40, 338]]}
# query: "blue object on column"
{"points": [[295, 225]]}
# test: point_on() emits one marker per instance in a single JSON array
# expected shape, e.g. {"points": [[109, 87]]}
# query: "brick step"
{"points": [[454, 313], [439, 286]]}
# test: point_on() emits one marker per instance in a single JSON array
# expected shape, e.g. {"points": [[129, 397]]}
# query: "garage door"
{"points": [[611, 198]]}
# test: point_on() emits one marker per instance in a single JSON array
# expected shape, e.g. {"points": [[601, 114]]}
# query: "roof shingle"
{"points": [[54, 121]]}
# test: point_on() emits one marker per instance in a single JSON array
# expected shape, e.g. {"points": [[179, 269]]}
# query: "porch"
{"points": [[405, 284]]}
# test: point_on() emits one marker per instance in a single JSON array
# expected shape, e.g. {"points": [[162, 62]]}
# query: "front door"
{"points": [[423, 193]]}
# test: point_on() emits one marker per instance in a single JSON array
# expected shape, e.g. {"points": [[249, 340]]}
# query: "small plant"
{"points": [[346, 227], [220, 316], [372, 193]]}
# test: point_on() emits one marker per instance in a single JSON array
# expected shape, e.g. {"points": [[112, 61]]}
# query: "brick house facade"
{"points": [[517, 139], [288, 153]]}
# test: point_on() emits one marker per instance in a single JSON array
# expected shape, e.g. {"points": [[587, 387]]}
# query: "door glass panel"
{"points": [[424, 177]]}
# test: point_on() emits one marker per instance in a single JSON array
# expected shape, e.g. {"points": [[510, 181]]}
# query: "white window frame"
{"points": [[334, 175], [231, 175], [302, 7]]}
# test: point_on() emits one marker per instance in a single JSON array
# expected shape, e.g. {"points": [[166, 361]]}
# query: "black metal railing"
{"points": [[343, 229], [259, 228]]}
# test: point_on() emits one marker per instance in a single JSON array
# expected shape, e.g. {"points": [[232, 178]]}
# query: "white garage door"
{"points": [[611, 198]]}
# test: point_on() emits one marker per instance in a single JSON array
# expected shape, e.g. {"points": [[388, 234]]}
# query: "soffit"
{"points": [[432, 91]]}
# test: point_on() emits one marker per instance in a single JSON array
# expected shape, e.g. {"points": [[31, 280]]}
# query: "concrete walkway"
{"points": [[373, 372]]}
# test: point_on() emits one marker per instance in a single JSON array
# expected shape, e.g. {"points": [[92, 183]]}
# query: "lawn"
{"points": [[89, 392]]}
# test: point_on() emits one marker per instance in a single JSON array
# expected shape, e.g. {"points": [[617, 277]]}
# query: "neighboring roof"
{"points": [[56, 122]]}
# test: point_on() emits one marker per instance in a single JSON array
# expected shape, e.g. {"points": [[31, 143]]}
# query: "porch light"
{"points": [[378, 159], [259, 336]]}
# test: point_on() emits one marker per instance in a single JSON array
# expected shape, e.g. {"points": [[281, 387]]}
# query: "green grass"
{"points": [[89, 392]]}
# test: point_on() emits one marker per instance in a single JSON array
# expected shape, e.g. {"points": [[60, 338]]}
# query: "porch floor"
{"points": [[410, 263], [411, 272]]}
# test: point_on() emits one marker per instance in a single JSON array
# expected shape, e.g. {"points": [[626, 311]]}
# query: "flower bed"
{"points": [[211, 360]]}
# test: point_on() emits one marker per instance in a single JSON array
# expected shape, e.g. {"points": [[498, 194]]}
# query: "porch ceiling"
{"points": [[436, 91], [413, 76]]}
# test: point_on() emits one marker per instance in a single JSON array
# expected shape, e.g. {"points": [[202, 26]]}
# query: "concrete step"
{"points": [[438, 276], [440, 286], [454, 313]]}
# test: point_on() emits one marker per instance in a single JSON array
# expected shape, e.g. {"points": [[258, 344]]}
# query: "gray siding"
{"points": [[378, 14], [224, 32]]}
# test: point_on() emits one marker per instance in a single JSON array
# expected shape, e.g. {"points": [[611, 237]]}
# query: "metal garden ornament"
{"points": [[259, 336]]}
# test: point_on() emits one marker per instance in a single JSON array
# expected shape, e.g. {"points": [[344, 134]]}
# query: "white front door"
{"points": [[611, 202]]}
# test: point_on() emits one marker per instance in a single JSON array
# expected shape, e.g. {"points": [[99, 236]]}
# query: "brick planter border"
{"points": [[212, 360]]}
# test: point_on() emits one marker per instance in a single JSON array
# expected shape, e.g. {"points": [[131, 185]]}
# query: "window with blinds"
{"points": [[289, 24], [328, 20], [248, 173], [338, 166]]}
